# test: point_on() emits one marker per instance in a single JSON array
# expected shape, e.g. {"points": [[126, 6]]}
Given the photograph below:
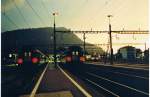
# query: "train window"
{"points": [[77, 53], [73, 53], [25, 54], [29, 53]]}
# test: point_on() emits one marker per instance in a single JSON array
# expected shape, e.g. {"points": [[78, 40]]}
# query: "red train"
{"points": [[74, 54]]}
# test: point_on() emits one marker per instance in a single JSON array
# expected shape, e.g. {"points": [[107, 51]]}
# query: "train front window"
{"points": [[77, 53], [73, 53], [29, 53], [25, 54]]}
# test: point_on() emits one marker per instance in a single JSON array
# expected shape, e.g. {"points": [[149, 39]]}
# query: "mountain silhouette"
{"points": [[39, 38]]}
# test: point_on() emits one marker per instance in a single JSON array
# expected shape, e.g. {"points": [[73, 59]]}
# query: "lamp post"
{"points": [[84, 42], [54, 40], [110, 37]]}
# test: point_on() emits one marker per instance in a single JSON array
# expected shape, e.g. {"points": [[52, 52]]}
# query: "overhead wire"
{"points": [[44, 6], [25, 21], [80, 7], [42, 22], [10, 20], [105, 5], [93, 19], [99, 9], [121, 5], [111, 9]]}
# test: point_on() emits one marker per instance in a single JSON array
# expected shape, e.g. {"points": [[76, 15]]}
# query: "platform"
{"points": [[56, 84], [53, 94]]}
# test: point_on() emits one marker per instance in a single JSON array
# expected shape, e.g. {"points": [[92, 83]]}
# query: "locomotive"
{"points": [[29, 57], [74, 55]]}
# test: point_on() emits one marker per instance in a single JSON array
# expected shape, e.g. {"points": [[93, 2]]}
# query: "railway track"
{"points": [[115, 81]]}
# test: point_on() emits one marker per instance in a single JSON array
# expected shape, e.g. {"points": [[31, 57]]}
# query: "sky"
{"points": [[75, 14]]}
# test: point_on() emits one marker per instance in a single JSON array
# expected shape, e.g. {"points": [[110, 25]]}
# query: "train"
{"points": [[71, 55], [74, 55], [30, 57], [73, 59]]}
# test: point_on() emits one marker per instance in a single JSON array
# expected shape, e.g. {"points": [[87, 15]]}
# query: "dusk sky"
{"points": [[76, 15]]}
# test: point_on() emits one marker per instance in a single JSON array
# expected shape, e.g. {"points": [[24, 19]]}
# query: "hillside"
{"points": [[41, 38]]}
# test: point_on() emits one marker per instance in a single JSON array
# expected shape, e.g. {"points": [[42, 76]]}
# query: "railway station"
{"points": [[74, 48]]}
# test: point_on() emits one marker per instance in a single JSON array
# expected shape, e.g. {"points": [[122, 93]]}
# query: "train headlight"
{"points": [[82, 59], [20, 61], [68, 59], [35, 60]]}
